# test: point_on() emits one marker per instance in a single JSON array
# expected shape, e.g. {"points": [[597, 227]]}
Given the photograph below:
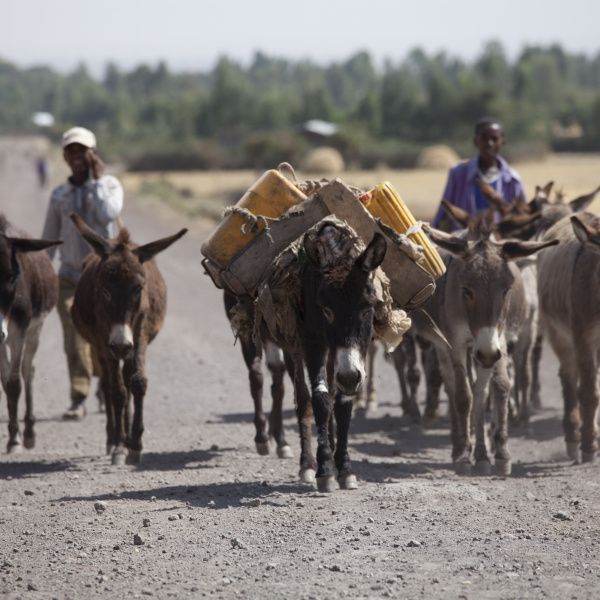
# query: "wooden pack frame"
{"points": [[410, 284]]}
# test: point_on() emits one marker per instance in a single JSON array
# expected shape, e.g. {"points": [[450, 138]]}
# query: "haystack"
{"points": [[323, 160], [437, 158]]}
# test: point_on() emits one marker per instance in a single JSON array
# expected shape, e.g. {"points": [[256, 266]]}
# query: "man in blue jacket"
{"points": [[461, 189]]}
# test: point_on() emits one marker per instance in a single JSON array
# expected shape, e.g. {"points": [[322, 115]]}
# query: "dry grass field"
{"points": [[204, 193]]}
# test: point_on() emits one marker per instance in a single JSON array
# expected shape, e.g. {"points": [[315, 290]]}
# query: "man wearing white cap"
{"points": [[98, 200]]}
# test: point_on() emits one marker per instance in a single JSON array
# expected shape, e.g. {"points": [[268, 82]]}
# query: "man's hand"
{"points": [[95, 163]]}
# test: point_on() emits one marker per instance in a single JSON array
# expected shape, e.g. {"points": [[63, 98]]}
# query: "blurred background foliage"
{"points": [[252, 117]]}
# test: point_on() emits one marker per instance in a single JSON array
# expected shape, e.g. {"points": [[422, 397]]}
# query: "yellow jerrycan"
{"points": [[385, 203], [269, 197]]}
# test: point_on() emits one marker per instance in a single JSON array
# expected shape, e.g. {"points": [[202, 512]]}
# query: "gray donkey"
{"points": [[479, 305], [569, 288]]}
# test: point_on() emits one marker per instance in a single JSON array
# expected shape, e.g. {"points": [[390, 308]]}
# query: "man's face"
{"points": [[76, 157], [489, 140]]}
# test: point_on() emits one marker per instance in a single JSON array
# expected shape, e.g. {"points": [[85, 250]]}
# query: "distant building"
{"points": [[43, 119]]}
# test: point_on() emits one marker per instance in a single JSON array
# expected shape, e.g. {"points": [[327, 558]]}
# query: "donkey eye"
{"points": [[505, 293], [328, 313], [468, 293]]}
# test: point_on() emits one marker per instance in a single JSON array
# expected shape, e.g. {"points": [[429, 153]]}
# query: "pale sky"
{"points": [[193, 34]]}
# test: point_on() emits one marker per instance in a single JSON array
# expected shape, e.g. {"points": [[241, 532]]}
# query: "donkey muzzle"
{"points": [[120, 341]]}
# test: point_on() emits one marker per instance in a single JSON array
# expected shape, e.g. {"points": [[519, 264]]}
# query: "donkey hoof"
{"points": [[588, 457], [348, 482], [133, 457], [110, 448], [326, 484], [463, 468], [14, 448], [262, 448], [285, 452], [503, 466], [372, 405], [118, 459], [29, 441], [483, 468], [573, 451], [307, 475]]}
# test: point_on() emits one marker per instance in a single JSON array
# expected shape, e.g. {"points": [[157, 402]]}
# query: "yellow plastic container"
{"points": [[270, 197], [385, 203]]}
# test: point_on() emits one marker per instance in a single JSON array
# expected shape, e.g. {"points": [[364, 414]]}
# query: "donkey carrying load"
{"points": [[323, 311], [28, 292], [119, 307]]}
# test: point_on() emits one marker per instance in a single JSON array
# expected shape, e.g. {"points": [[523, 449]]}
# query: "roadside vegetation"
{"points": [[252, 117]]}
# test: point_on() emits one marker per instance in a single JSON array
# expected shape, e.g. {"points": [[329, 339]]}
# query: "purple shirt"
{"points": [[460, 190]]}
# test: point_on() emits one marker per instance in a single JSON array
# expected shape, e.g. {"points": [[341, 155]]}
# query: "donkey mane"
{"points": [[347, 246]]}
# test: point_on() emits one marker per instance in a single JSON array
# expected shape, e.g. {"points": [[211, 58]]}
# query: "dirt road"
{"points": [[216, 520]]}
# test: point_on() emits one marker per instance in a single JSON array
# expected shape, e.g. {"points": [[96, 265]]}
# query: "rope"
{"points": [[252, 222]]}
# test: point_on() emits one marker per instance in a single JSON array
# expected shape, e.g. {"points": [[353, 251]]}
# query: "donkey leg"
{"points": [[277, 367], [343, 413], [589, 396], [433, 381], [304, 414], [28, 370], [483, 466], [11, 381], [571, 418], [405, 361], [500, 387], [536, 357], [371, 395], [321, 403]]}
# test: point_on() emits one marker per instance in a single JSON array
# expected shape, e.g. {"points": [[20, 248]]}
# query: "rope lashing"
{"points": [[252, 222]]}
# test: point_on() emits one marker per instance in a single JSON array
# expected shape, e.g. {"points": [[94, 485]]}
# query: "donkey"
{"points": [[28, 292], [479, 305], [119, 307], [336, 309], [277, 363], [569, 287], [530, 221]]}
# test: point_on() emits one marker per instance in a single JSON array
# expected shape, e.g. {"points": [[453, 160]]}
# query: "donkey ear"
{"points": [[582, 202], [29, 245], [97, 242], [586, 234], [512, 250], [455, 245], [373, 255], [460, 216], [148, 251]]}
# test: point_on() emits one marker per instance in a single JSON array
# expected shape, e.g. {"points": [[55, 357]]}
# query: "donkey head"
{"points": [[10, 248], [488, 286], [122, 296], [344, 299]]}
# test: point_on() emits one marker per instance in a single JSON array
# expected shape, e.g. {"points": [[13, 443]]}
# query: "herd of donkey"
{"points": [[520, 270]]}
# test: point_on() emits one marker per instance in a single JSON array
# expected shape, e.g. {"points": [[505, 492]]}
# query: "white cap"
{"points": [[79, 135]]}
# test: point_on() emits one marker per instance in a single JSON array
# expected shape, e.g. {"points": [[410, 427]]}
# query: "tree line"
{"points": [[235, 116]]}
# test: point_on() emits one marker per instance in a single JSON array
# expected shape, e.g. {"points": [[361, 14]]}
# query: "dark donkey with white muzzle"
{"points": [[337, 303], [119, 307]]}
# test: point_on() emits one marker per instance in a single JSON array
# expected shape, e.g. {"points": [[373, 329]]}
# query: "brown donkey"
{"points": [[569, 287], [119, 308], [28, 292], [278, 362]]}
